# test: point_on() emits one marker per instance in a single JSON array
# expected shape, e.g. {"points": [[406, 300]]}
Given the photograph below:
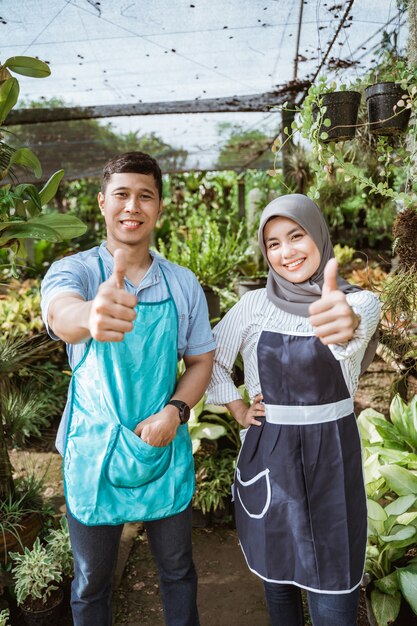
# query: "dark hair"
{"points": [[132, 163]]}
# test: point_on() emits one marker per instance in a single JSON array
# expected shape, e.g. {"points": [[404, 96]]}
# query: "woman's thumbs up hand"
{"points": [[333, 320], [113, 309]]}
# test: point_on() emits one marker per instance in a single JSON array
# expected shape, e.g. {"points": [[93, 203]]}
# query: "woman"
{"points": [[299, 494]]}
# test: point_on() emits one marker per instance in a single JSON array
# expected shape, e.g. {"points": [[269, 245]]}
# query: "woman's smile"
{"points": [[294, 264]]}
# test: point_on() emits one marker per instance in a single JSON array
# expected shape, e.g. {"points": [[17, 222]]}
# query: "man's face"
{"points": [[130, 206]]}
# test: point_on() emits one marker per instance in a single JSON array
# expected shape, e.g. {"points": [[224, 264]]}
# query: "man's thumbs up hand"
{"points": [[333, 320], [119, 269], [113, 309]]}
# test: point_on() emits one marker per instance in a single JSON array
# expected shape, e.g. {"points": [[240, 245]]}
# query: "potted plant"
{"points": [[4, 617], [335, 111], [317, 121], [212, 255], [59, 547], [214, 477], [390, 99], [22, 412], [390, 460], [37, 576]]}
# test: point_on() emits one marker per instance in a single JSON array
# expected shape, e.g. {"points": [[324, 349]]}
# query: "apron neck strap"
{"points": [[103, 275]]}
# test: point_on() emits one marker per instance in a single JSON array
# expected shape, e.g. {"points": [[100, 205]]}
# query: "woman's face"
{"points": [[290, 250]]}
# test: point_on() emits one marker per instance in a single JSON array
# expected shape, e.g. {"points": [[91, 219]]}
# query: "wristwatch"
{"points": [[183, 408]]}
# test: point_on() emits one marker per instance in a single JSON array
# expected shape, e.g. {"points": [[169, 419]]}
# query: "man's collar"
{"points": [[152, 276]]}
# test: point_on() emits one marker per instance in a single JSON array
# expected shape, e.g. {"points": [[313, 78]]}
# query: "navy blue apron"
{"points": [[299, 492]]}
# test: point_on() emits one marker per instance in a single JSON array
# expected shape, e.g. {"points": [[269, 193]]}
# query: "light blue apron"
{"points": [[111, 475]]}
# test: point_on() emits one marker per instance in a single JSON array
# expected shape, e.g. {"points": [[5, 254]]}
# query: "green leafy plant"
{"points": [[200, 429], [25, 500], [4, 617], [214, 477], [212, 256], [59, 546], [21, 206], [311, 123], [22, 408], [36, 572], [20, 308], [343, 254], [390, 451]]}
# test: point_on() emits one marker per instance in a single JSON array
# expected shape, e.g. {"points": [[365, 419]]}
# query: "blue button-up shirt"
{"points": [[81, 274]]}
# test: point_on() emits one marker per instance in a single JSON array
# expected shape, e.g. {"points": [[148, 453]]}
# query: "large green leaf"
{"points": [[407, 577], [375, 511], [50, 188], [388, 584], [28, 66], [8, 224], [388, 431], [67, 226], [385, 606], [400, 505], [400, 534], [205, 430], [47, 192], [400, 457], [367, 427], [26, 230], [407, 518], [9, 93], [399, 479], [29, 193], [402, 418], [372, 467], [26, 158]]}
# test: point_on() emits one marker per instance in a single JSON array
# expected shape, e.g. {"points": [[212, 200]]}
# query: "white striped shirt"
{"points": [[239, 331]]}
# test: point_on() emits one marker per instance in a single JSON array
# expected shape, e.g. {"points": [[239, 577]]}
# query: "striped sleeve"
{"points": [[367, 306], [228, 336]]}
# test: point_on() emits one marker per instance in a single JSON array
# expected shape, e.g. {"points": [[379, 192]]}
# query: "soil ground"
{"points": [[229, 595]]}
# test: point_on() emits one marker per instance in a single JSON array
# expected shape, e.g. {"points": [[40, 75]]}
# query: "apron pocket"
{"points": [[254, 494], [134, 463]]}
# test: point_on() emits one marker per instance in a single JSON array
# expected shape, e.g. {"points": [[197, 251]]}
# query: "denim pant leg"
{"points": [[95, 551], [170, 543], [328, 609], [284, 604]]}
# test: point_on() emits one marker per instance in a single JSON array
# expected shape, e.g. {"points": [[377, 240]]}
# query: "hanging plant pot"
{"points": [[385, 117], [342, 111], [213, 303]]}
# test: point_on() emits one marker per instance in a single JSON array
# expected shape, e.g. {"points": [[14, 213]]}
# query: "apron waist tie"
{"points": [[308, 414]]}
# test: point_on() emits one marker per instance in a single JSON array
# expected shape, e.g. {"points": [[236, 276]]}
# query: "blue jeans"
{"points": [[285, 606], [95, 550]]}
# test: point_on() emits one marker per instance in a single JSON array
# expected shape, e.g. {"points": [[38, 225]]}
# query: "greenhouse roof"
{"points": [[123, 52]]}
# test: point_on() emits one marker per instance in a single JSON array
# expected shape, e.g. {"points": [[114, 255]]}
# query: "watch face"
{"points": [[185, 413]]}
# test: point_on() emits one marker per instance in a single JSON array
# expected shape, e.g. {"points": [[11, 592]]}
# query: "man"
{"points": [[127, 316]]}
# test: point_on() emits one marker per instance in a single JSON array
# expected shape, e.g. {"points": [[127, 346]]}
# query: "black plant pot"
{"points": [[213, 303], [46, 617], [342, 110], [384, 116], [249, 284]]}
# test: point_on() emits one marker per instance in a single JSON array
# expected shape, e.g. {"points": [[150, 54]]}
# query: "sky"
{"points": [[124, 51]]}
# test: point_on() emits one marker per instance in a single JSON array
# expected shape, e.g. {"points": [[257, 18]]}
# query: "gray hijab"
{"points": [[296, 297]]}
